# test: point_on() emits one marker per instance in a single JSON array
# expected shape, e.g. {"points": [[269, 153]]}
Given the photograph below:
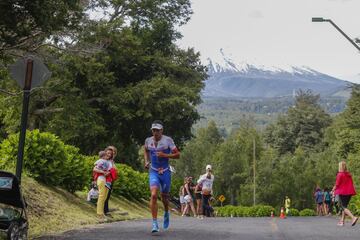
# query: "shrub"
{"points": [[354, 205], [131, 183], [264, 211], [241, 211], [294, 212], [307, 212], [46, 159]]}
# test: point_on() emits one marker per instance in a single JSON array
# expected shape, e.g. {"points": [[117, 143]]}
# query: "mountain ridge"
{"points": [[229, 79]]}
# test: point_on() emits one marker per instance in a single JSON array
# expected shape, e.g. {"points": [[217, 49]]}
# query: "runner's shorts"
{"points": [[162, 181]]}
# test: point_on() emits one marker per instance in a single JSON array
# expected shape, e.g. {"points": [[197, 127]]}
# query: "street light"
{"points": [[320, 19]]}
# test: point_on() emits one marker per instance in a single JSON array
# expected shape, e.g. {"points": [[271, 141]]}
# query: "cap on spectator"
{"points": [[208, 167]]}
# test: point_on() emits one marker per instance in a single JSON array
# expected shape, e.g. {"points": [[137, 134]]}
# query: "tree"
{"points": [[25, 25], [112, 95], [303, 126], [233, 165], [198, 151]]}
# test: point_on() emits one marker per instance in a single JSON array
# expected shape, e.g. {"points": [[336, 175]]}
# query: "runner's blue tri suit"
{"points": [[159, 173]]}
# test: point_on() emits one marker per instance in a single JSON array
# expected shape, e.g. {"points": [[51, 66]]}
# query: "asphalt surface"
{"points": [[299, 228]]}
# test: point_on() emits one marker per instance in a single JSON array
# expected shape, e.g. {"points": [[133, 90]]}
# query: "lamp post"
{"points": [[320, 19]]}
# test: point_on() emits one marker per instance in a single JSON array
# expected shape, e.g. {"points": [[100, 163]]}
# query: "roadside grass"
{"points": [[53, 210]]}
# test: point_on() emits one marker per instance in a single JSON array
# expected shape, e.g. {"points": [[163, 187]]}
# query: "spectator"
{"points": [[198, 197], [287, 205], [319, 199], [188, 197], [93, 194], [206, 181], [101, 171], [327, 201], [344, 187], [111, 152], [181, 195]]}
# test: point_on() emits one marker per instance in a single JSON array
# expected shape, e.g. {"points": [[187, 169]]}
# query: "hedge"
{"points": [[307, 212], [241, 211]]}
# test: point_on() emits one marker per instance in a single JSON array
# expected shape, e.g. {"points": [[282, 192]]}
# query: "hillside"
{"points": [[249, 80], [228, 112], [53, 210]]}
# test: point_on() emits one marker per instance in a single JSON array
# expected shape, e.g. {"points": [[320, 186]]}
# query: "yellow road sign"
{"points": [[221, 198]]}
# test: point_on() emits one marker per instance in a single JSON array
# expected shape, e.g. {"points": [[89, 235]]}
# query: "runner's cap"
{"points": [[208, 167], [156, 126]]}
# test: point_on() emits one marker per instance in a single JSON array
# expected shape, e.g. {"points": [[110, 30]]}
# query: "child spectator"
{"points": [[93, 194]]}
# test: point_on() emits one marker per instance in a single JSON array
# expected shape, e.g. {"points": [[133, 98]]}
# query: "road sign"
{"points": [[221, 198], [29, 72], [40, 72]]}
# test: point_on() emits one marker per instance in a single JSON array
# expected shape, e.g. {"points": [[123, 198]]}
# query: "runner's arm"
{"points": [[146, 158], [175, 154]]}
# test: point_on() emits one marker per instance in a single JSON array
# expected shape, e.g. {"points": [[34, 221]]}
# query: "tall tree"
{"points": [[303, 125], [111, 96]]}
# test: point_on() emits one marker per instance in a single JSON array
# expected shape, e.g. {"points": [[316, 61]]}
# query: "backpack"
{"points": [[327, 197], [319, 196]]}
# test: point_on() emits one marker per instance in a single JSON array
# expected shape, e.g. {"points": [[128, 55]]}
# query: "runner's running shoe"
{"points": [[155, 226], [166, 220]]}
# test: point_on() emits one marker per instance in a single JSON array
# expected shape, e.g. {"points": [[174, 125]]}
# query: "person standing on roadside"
{"points": [[158, 150], [198, 197], [206, 181], [111, 152], [189, 197], [101, 171], [344, 187], [319, 199], [287, 205]]}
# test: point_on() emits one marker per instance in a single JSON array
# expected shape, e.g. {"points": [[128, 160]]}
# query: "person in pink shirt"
{"points": [[344, 187]]}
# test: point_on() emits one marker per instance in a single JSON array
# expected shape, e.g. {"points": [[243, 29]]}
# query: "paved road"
{"points": [[299, 228]]}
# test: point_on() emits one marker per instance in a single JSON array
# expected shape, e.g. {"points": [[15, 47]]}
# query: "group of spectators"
{"points": [[200, 193], [326, 201], [338, 198]]}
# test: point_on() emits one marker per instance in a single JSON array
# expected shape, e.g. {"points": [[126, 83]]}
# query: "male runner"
{"points": [[158, 149]]}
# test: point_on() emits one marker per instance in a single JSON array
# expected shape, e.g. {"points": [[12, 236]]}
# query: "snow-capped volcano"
{"points": [[230, 79]]}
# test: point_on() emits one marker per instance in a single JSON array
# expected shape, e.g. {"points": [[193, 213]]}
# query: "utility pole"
{"points": [[254, 169]]}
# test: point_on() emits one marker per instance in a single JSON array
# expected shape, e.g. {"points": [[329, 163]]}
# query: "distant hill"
{"points": [[229, 79]]}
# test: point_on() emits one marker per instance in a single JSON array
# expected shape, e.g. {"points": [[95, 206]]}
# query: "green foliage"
{"points": [[354, 204], [198, 151], [240, 211], [47, 159], [234, 163], [303, 126], [131, 183], [294, 212], [26, 24], [120, 74], [307, 212]]}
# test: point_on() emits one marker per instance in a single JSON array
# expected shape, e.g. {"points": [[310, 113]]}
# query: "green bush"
{"points": [[241, 211], [46, 159], [131, 183], [354, 205], [307, 212], [294, 212], [264, 211]]}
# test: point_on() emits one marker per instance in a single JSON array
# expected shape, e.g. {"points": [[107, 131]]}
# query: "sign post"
{"points": [[28, 72], [221, 199]]}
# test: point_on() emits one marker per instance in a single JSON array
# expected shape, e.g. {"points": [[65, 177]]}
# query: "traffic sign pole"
{"points": [[24, 117]]}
